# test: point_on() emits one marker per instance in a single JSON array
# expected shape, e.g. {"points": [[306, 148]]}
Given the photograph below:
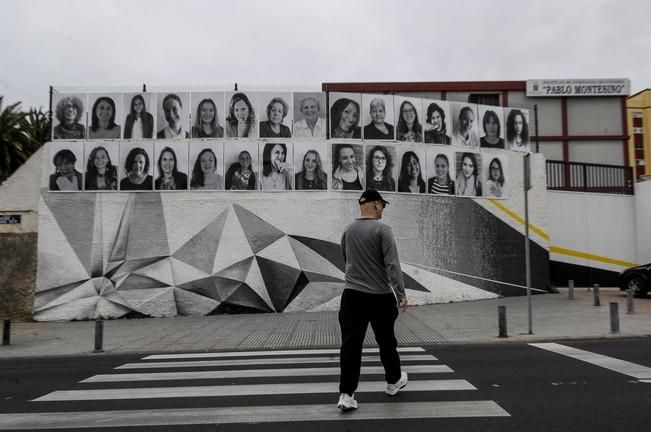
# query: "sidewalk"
{"points": [[554, 317]]}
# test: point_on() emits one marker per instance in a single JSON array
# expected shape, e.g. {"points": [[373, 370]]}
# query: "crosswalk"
{"points": [[252, 387]]}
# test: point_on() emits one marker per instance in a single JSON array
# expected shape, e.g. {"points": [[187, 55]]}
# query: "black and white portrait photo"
{"points": [[377, 115], [69, 116], [496, 169], [277, 169], [464, 124], [66, 166], [347, 167], [104, 111], [170, 171], [381, 167], [310, 115], [207, 163], [437, 123], [409, 114], [440, 171], [311, 165], [207, 115], [276, 115], [412, 175], [492, 130], [241, 120], [139, 110], [136, 166], [517, 129], [241, 165], [102, 159], [468, 181], [173, 116], [345, 115]]}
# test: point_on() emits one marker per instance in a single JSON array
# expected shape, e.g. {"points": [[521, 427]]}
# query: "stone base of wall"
{"points": [[17, 275]]}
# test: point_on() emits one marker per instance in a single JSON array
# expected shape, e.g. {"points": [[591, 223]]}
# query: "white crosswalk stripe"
{"points": [[278, 376]]}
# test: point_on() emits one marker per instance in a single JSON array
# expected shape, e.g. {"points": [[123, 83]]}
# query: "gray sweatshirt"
{"points": [[371, 256]]}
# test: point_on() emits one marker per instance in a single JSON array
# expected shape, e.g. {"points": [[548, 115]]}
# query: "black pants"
{"points": [[357, 310]]}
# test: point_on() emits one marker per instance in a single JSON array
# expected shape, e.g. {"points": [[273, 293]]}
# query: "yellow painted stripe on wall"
{"points": [[542, 234], [578, 254]]}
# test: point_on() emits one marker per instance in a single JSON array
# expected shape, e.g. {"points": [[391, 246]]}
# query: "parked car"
{"points": [[636, 278]]}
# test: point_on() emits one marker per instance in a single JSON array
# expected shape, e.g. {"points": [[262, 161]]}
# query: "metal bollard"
{"points": [[614, 317], [630, 301], [99, 336], [6, 332], [597, 298], [501, 312], [570, 289]]}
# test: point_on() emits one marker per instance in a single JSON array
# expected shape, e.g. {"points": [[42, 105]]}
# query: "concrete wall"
{"points": [[643, 221]]}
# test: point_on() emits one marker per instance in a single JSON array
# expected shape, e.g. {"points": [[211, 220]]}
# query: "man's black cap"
{"points": [[370, 195]]}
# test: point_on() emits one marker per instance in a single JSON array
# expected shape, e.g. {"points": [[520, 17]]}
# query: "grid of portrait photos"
{"points": [[283, 141]]}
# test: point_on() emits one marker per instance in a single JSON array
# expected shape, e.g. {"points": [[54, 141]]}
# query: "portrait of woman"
{"points": [[169, 176], [206, 122], [437, 129], [378, 128], [100, 174], [139, 123], [204, 172], [240, 122], [309, 115], [441, 183], [273, 127], [344, 119], [410, 178], [495, 183], [102, 123], [240, 175], [517, 131], [346, 172], [468, 180], [276, 170], [136, 168], [69, 111], [173, 116], [65, 177], [492, 131], [408, 128], [379, 169], [311, 176], [466, 131]]}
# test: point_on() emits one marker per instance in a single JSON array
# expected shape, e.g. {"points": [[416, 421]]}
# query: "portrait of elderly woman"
{"points": [[377, 128], [101, 174], [273, 127], [69, 112], [102, 120], [313, 122], [436, 125], [136, 168], [240, 122], [65, 177], [344, 119]]}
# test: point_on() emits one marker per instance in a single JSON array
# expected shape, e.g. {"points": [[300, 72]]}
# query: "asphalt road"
{"points": [[507, 387]]}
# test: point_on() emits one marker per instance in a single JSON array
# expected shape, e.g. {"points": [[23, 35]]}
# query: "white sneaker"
{"points": [[346, 402], [392, 389]]}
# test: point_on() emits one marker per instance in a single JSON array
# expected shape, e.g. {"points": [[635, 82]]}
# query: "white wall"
{"points": [[643, 221]]}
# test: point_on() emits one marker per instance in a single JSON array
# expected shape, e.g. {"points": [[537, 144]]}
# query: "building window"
{"points": [[639, 141], [484, 98], [637, 122]]}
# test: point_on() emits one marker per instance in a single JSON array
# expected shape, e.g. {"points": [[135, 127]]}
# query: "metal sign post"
{"points": [[527, 255]]}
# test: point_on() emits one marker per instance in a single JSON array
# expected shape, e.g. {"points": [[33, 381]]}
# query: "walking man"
{"points": [[374, 292]]}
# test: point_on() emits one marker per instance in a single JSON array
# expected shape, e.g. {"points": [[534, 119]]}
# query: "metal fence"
{"points": [[586, 177]]}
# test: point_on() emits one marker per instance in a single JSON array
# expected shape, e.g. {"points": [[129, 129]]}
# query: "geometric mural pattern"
{"points": [[237, 262]]}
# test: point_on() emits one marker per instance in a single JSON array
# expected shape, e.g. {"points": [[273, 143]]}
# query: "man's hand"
{"points": [[402, 304]]}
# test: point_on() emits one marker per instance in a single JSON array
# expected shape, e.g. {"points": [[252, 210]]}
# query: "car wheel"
{"points": [[636, 284]]}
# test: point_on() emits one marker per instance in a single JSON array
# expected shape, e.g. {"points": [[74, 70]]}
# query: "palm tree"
{"points": [[21, 134]]}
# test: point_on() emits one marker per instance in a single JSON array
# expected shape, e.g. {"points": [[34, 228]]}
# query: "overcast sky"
{"points": [[114, 43]]}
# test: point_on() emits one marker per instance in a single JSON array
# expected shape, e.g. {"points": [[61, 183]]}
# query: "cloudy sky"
{"points": [[116, 43]]}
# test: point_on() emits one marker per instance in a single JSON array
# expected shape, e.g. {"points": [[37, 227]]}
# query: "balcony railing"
{"points": [[586, 177]]}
